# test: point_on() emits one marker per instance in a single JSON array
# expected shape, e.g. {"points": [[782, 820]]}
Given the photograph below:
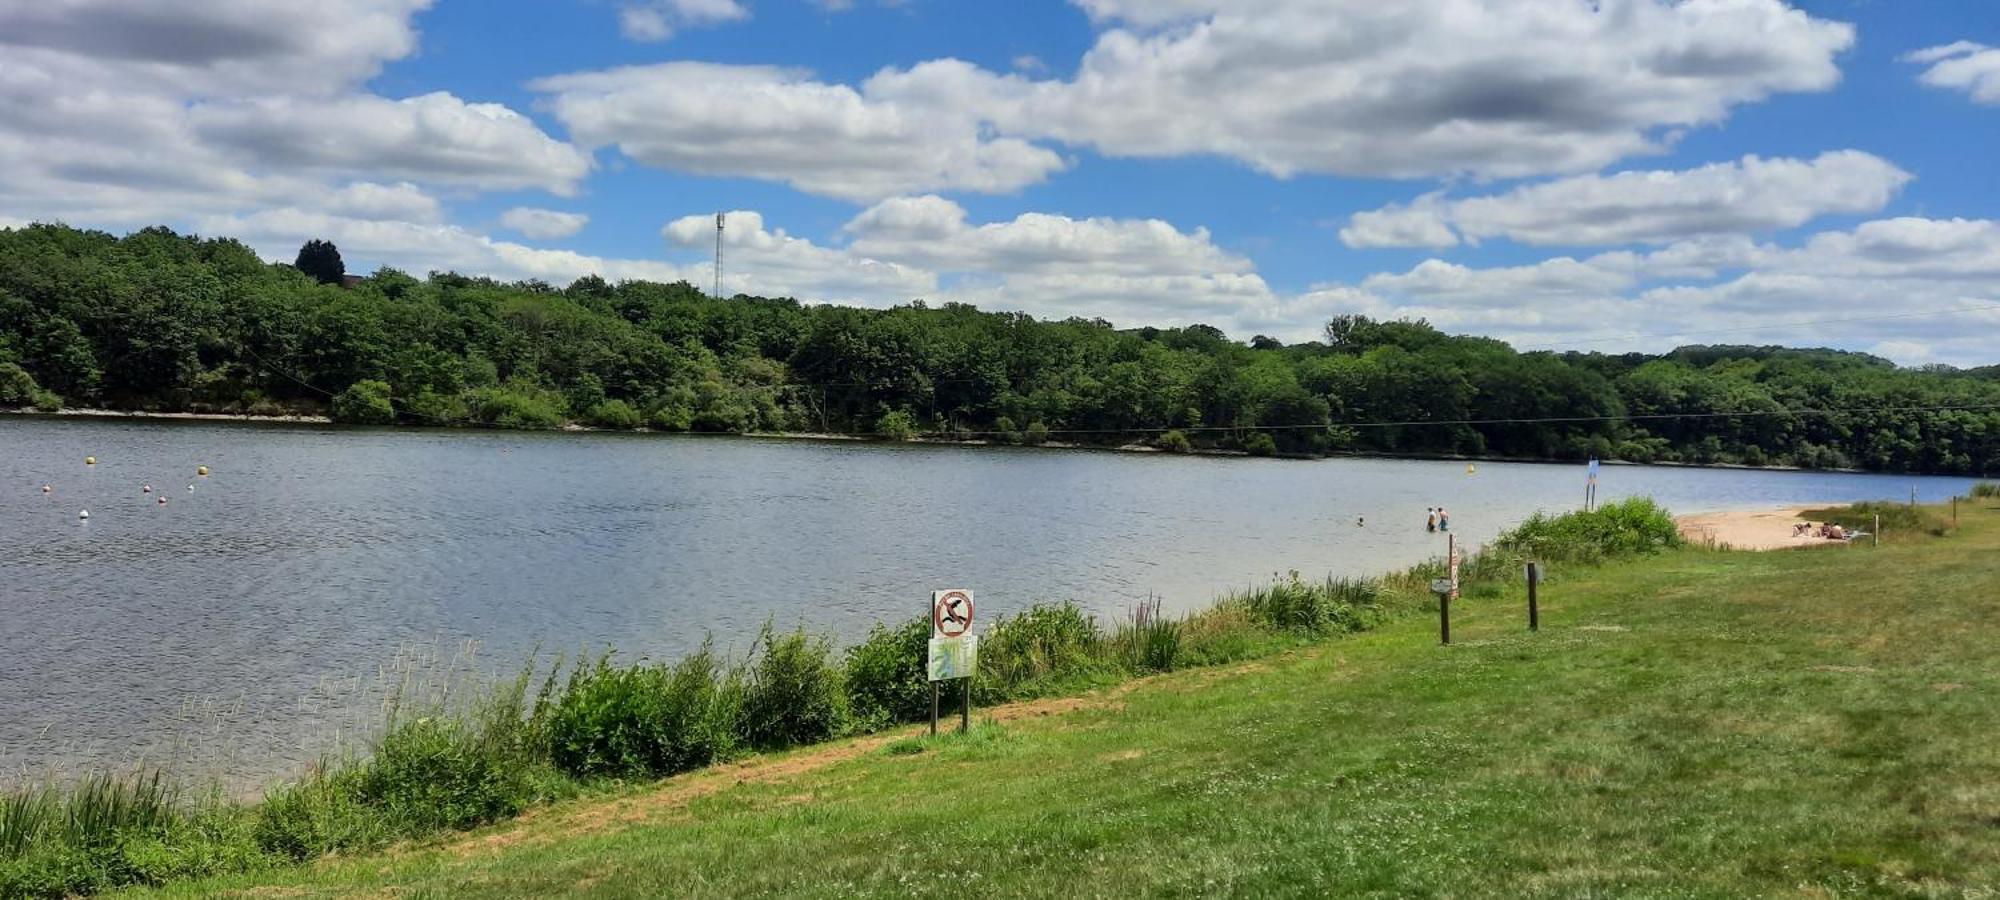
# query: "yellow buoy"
{"points": [[1470, 468], [90, 460], [201, 470]]}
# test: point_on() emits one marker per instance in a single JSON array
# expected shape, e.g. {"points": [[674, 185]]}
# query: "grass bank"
{"points": [[1695, 724]]}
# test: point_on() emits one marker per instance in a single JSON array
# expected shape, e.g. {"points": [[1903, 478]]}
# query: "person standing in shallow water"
{"points": [[1444, 520], [1430, 520]]}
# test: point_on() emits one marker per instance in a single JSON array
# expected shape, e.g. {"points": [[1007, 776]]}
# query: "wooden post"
{"points": [[1877, 535], [934, 708], [1954, 510], [1444, 619], [1451, 561], [965, 708], [1534, 615]]}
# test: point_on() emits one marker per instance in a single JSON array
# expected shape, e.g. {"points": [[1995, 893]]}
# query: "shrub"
{"points": [[1035, 434], [896, 425], [887, 678], [434, 773], [519, 406], [1006, 431], [365, 402], [1986, 490], [1629, 527], [675, 412], [1335, 605], [17, 387], [612, 414], [320, 814], [48, 401], [1173, 442], [1260, 444], [794, 695], [643, 720], [1225, 632], [1044, 647]]}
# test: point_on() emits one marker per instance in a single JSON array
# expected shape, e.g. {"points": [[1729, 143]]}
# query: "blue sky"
{"points": [[1623, 174]]}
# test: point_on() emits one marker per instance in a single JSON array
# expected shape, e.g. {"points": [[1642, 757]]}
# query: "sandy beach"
{"points": [[1751, 529]]}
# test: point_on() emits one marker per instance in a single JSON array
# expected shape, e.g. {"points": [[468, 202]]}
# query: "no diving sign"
{"points": [[951, 613]]}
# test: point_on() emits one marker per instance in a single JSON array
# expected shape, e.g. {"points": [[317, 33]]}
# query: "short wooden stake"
{"points": [[1444, 619], [1877, 536], [1534, 615], [965, 708], [934, 708]]}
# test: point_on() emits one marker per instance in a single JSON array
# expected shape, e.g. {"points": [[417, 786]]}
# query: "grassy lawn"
{"points": [[1812, 723]]}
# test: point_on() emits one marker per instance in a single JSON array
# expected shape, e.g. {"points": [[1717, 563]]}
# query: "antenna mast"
{"points": [[718, 255]]}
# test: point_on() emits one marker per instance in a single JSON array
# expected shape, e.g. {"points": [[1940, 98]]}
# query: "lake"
{"points": [[243, 627]]}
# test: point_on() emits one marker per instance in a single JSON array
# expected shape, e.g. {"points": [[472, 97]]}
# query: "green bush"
{"points": [[1260, 444], [435, 773], [1173, 442], [1036, 434], [1986, 490], [1043, 648], [365, 402], [1312, 608], [616, 414], [675, 411], [1005, 431], [794, 695], [320, 814], [17, 387], [519, 406], [631, 721], [1629, 527], [896, 425], [887, 676]]}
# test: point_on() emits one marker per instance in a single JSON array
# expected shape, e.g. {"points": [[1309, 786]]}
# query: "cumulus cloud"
{"points": [[368, 200], [779, 124], [1888, 283], [1350, 87], [771, 262], [657, 20], [127, 112], [436, 137], [1962, 66], [543, 224], [1746, 196]]}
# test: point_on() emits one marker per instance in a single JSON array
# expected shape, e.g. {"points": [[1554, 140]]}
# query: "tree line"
{"points": [[161, 321]]}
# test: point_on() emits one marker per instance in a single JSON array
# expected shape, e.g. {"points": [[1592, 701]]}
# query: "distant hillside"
{"points": [[161, 321]]}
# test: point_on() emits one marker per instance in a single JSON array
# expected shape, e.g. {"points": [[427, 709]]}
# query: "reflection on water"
{"points": [[253, 611]]}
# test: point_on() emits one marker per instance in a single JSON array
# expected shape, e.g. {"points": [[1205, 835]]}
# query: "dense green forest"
{"points": [[166, 322]]}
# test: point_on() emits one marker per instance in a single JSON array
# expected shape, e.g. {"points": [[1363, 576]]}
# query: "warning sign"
{"points": [[954, 657], [951, 613]]}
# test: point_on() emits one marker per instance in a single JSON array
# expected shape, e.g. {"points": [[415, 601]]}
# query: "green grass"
{"points": [[1696, 723]]}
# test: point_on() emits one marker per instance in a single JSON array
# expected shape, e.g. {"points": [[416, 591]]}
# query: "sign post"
{"points": [[1534, 616], [1590, 486], [954, 651], [1442, 588]]}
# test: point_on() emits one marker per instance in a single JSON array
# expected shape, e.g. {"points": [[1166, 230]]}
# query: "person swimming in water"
{"points": [[1430, 520]]}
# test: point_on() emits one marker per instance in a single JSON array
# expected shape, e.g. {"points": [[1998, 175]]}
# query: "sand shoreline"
{"points": [[1753, 529]]}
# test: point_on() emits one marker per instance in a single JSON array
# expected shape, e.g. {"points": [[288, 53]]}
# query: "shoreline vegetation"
{"points": [[304, 419], [566, 730], [162, 322]]}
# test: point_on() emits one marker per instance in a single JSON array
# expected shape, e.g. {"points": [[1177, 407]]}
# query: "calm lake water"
{"points": [[241, 628]]}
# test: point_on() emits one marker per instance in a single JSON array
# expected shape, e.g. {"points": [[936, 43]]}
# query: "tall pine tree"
{"points": [[321, 260]]}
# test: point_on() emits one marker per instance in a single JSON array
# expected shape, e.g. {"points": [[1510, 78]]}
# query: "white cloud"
{"points": [[657, 20], [932, 232], [123, 112], [1962, 66], [367, 200], [435, 137], [543, 224], [1748, 195], [777, 124], [770, 262], [1352, 87]]}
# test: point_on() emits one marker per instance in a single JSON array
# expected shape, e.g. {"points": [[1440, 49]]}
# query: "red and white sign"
{"points": [[951, 613]]}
